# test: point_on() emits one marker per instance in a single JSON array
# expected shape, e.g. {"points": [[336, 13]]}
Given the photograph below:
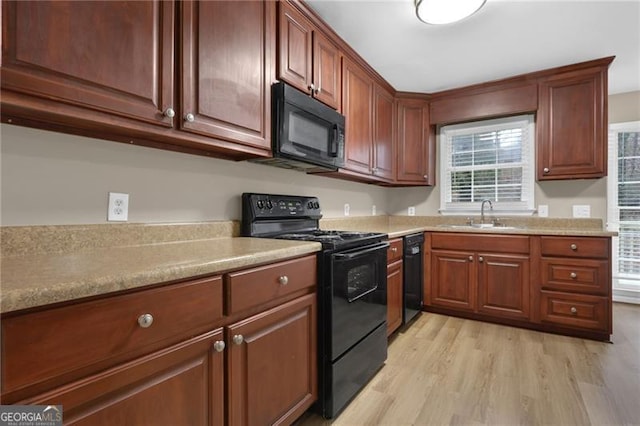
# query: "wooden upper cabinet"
{"points": [[357, 107], [384, 152], [572, 125], [115, 56], [416, 143], [307, 59], [227, 69], [326, 70]]}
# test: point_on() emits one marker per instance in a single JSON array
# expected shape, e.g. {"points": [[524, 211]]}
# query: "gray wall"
{"points": [[51, 178]]}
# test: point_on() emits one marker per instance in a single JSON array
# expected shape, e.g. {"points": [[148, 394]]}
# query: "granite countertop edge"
{"points": [[97, 272]]}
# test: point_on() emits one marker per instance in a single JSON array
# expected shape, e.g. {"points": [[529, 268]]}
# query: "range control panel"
{"points": [[279, 206]]}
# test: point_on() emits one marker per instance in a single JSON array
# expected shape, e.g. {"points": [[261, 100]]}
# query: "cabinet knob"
{"points": [[545, 170], [394, 249], [317, 90], [470, 258], [169, 112], [312, 88], [481, 259], [189, 117], [574, 247], [283, 280], [145, 320], [573, 275], [219, 346], [574, 310], [426, 177], [238, 339]]}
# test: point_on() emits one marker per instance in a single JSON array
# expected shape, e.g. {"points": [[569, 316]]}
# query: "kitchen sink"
{"points": [[479, 226]]}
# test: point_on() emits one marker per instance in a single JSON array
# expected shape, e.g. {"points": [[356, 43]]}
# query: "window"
{"points": [[624, 209], [488, 159]]}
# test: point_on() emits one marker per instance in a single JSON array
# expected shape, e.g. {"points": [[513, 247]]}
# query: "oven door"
{"points": [[359, 295]]}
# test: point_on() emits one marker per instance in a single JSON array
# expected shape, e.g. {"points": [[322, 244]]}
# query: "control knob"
{"points": [[260, 204], [269, 204], [310, 205], [316, 205]]}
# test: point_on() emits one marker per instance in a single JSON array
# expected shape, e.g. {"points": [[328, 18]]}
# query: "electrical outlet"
{"points": [[412, 211], [118, 207], [581, 210], [347, 209], [373, 210], [543, 210]]}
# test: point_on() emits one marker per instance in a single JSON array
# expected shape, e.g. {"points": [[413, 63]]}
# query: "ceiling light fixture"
{"points": [[438, 12]]}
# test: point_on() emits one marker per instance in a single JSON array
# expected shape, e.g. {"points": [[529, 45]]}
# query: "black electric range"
{"points": [[352, 292]]}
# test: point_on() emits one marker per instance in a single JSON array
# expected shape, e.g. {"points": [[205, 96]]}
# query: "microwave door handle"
{"points": [[361, 252], [333, 146]]}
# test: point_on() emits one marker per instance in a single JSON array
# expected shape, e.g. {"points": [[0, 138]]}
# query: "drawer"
{"points": [[395, 250], [484, 243], [575, 247], [577, 275], [257, 286], [575, 310], [85, 336]]}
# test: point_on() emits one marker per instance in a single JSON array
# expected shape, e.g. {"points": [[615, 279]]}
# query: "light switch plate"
{"points": [[347, 209], [543, 210], [373, 210], [412, 211], [581, 210]]}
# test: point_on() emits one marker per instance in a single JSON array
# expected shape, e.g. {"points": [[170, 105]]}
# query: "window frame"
{"points": [[625, 288], [521, 208]]}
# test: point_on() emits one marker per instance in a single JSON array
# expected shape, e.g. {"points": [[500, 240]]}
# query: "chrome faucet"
{"points": [[486, 200]]}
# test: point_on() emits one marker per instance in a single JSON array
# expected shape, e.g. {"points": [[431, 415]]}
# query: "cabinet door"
{"points": [[183, 384], [572, 126], [416, 154], [384, 148], [503, 285], [357, 96], [326, 70], [272, 364], [453, 279], [227, 69], [110, 56], [394, 296], [295, 47]]}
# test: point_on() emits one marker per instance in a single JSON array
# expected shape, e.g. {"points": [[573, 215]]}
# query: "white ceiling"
{"points": [[503, 39]]}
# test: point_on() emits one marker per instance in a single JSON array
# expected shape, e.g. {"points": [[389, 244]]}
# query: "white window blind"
{"points": [[488, 159], [624, 208]]}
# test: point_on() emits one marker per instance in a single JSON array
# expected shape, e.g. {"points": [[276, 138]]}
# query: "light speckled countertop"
{"points": [[41, 265], [40, 279]]}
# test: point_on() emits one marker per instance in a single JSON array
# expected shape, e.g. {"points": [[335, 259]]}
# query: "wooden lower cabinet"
{"points": [[183, 384], [452, 280], [394, 296], [503, 285], [272, 366]]}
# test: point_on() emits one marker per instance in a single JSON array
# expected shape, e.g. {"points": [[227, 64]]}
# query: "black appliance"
{"points": [[413, 276], [306, 134], [352, 292]]}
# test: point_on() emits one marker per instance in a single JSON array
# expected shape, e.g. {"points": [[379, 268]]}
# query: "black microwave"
{"points": [[306, 134]]}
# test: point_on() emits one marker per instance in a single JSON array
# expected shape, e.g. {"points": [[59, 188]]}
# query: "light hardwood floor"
{"points": [[446, 370]]}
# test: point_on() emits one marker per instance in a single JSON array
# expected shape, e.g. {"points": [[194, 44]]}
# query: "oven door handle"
{"points": [[358, 253], [371, 290]]}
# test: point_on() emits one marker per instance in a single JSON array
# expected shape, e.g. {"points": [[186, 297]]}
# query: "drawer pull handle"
{"points": [[574, 247], [470, 258], [574, 310], [283, 280], [481, 259], [145, 320], [573, 275], [219, 346], [238, 339], [394, 249]]}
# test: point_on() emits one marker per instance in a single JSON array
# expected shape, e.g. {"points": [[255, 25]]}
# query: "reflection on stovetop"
{"points": [[322, 235]]}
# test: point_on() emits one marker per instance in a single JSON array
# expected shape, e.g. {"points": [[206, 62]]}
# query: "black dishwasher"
{"points": [[413, 276]]}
